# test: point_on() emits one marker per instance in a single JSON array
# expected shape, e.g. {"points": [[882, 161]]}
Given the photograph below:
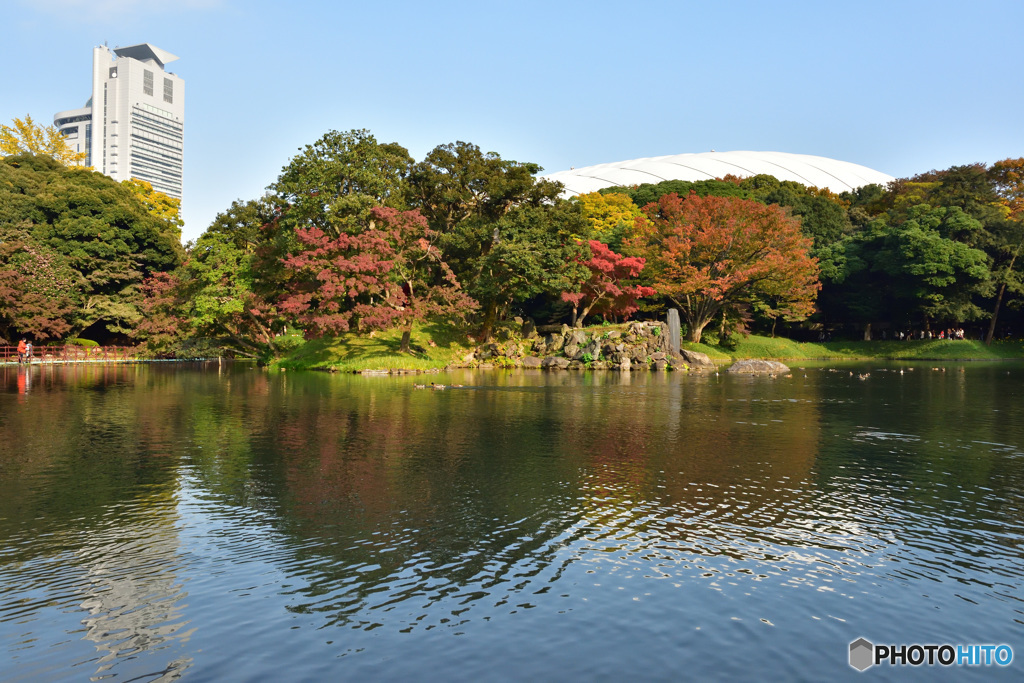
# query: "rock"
{"points": [[555, 363], [624, 364], [529, 330], [758, 367], [659, 365], [697, 360], [517, 320], [512, 351], [614, 334], [578, 338], [660, 355], [469, 357], [565, 330], [572, 351], [677, 363], [555, 343], [548, 329], [577, 365], [531, 362]]}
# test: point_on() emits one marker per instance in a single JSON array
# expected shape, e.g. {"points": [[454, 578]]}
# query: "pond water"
{"points": [[226, 523]]}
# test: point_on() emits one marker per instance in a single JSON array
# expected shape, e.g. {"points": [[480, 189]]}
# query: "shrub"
{"points": [[88, 343]]}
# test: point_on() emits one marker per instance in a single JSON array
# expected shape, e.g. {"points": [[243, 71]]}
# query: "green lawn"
{"points": [[930, 349], [355, 352]]}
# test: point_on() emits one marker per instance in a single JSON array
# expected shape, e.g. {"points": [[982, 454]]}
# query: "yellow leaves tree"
{"points": [[1008, 177], [28, 137], [163, 206], [611, 215]]}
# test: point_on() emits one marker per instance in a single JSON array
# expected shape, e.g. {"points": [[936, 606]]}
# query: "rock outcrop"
{"points": [[640, 345], [697, 360], [758, 367]]}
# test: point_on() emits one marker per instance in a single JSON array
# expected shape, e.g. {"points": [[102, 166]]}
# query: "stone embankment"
{"points": [[640, 346]]}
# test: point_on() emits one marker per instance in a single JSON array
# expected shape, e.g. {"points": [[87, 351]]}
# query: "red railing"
{"points": [[71, 354]]}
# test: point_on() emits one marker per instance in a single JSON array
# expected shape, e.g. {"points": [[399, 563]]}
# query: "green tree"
{"points": [[532, 251], [906, 274], [335, 182], [1007, 178], [218, 295], [98, 227], [480, 203], [456, 183], [227, 286]]}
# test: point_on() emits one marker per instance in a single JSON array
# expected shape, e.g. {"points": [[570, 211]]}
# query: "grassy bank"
{"points": [[435, 346], [931, 349]]}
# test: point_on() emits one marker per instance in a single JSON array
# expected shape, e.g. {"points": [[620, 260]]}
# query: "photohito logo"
{"points": [[864, 654]]}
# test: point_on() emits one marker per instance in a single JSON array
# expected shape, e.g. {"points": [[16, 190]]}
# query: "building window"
{"points": [[168, 90], [113, 72], [147, 82]]}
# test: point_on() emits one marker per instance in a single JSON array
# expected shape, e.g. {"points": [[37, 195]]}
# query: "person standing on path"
{"points": [[22, 349], [28, 353]]}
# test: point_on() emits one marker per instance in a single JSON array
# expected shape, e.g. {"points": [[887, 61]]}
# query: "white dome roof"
{"points": [[838, 176]]}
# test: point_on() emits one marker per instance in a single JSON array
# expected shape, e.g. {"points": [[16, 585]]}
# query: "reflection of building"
{"points": [[133, 125], [134, 595]]}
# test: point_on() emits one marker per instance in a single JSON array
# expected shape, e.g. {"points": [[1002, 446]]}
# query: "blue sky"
{"points": [[902, 87]]}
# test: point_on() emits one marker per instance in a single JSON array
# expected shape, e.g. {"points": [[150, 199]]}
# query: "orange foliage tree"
{"points": [[712, 254]]}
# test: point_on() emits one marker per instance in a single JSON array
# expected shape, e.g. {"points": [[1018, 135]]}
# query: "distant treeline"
{"points": [[356, 235]]}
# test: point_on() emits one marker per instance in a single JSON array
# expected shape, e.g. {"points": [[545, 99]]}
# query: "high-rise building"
{"points": [[133, 126]]}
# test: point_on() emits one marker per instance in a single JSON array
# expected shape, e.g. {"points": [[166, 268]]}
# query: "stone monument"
{"points": [[673, 331]]}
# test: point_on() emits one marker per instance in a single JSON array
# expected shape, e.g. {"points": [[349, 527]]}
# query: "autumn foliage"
{"points": [[388, 275], [607, 291], [712, 254]]}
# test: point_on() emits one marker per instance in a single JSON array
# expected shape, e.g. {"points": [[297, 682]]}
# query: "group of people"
{"points": [[951, 333], [24, 351]]}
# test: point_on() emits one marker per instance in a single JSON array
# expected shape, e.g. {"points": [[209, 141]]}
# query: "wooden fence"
{"points": [[71, 354]]}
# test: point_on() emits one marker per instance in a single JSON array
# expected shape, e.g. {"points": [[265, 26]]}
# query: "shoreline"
{"points": [[437, 349]]}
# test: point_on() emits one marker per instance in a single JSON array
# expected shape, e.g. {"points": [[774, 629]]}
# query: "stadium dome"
{"points": [[838, 176]]}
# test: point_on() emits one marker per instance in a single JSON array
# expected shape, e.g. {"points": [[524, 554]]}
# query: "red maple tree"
{"points": [[390, 274], [606, 291], [713, 253]]}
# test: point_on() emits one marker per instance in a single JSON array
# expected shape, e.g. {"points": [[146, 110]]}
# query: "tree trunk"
{"points": [[406, 338], [774, 320], [867, 331], [995, 315], [572, 319], [487, 331], [999, 300], [696, 330]]}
